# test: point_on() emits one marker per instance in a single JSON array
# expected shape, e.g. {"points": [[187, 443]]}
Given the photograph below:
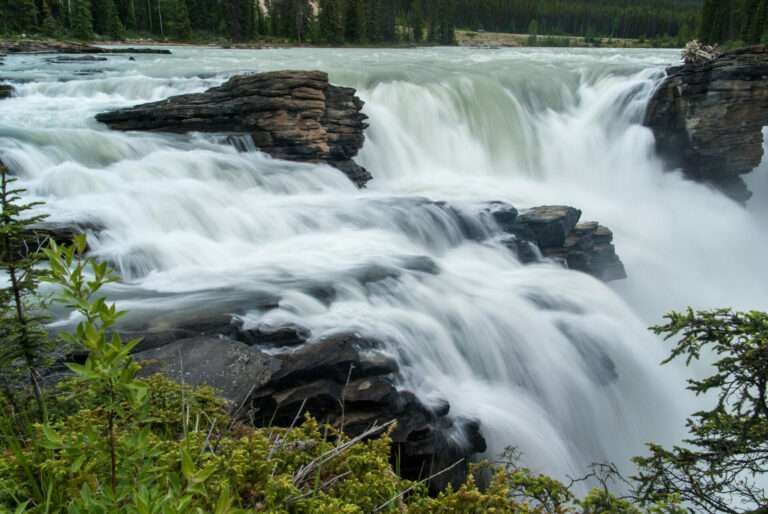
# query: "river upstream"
{"points": [[193, 225]]}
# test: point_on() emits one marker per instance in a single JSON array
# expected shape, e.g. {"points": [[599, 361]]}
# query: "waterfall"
{"points": [[549, 360]]}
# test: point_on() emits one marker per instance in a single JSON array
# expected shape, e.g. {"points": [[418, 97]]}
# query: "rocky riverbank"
{"points": [[708, 118], [51, 46]]}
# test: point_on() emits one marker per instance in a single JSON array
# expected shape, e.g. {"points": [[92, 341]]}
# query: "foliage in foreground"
{"points": [[727, 451], [223, 466], [22, 337]]}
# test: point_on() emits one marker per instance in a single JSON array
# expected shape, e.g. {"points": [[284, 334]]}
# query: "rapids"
{"points": [[194, 225]]}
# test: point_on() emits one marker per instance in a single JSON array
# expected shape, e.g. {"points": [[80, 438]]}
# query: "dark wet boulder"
{"points": [[287, 335], [292, 115], [554, 231], [231, 367], [84, 58], [707, 118], [550, 224], [6, 91], [351, 382]]}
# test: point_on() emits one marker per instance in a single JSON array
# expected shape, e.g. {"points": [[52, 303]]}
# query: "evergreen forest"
{"points": [[375, 22], [733, 20]]}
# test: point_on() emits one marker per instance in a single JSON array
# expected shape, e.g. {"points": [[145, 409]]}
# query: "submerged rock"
{"points": [[293, 115], [6, 91], [67, 59], [708, 117]]}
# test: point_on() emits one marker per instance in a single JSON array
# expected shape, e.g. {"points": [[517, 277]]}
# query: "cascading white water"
{"points": [[194, 225]]}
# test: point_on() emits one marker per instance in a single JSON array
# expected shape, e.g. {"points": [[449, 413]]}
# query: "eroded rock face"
{"points": [[707, 118], [293, 115], [349, 381], [556, 232]]}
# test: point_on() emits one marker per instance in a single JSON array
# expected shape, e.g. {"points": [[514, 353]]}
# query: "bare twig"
{"points": [[208, 439], [280, 440], [342, 401], [183, 401], [331, 454], [242, 403], [233, 416], [296, 499]]}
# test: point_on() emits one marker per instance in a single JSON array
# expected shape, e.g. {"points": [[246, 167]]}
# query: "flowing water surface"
{"points": [[196, 226]]}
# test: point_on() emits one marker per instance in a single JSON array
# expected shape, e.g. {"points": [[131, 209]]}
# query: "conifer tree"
{"points": [[445, 22], [176, 18], [417, 21], [331, 22], [17, 15], [302, 17], [373, 21], [82, 20], [50, 26], [24, 345], [355, 14], [388, 22], [262, 21], [250, 27], [757, 25]]}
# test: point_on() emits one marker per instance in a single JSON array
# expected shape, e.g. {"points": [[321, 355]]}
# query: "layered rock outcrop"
{"points": [[351, 382], [555, 231], [294, 115], [708, 118]]}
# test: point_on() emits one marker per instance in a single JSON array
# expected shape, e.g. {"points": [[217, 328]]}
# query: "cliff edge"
{"points": [[708, 117]]}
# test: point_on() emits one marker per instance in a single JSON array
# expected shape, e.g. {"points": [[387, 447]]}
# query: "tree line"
{"points": [[611, 18], [335, 22], [734, 20]]}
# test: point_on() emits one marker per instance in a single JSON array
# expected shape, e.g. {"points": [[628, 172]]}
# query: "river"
{"points": [[193, 225]]}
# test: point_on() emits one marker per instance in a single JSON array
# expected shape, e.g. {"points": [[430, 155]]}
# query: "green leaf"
{"points": [[224, 501], [22, 507], [187, 465], [52, 437], [77, 368], [78, 463], [175, 482]]}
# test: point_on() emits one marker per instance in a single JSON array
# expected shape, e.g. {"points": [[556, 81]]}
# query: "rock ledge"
{"points": [[293, 115], [708, 118]]}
